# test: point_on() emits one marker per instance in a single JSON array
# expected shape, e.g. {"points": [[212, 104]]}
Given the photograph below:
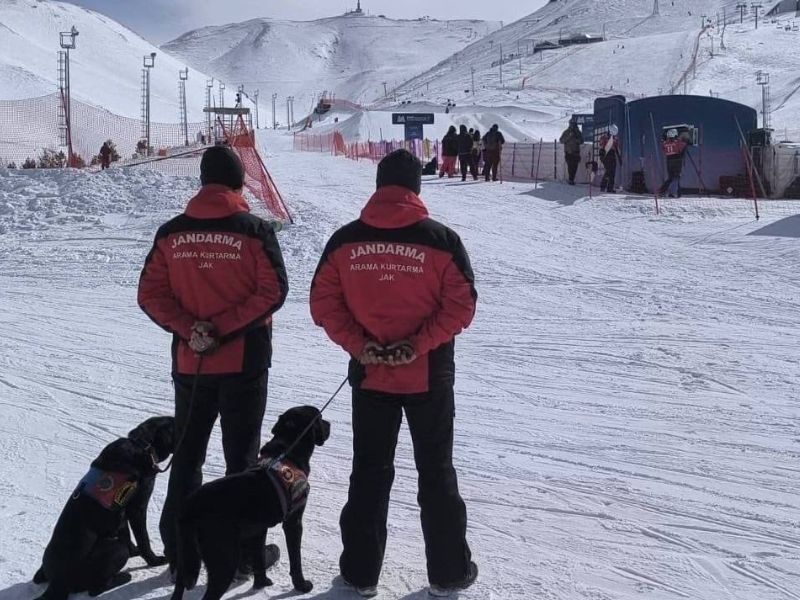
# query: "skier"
{"points": [[449, 152], [675, 148], [465, 154], [572, 138], [609, 155], [213, 279], [398, 321], [493, 143], [105, 156]]}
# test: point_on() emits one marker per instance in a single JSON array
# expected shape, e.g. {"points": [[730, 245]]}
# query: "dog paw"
{"points": [[303, 585], [261, 581], [40, 577], [153, 560]]}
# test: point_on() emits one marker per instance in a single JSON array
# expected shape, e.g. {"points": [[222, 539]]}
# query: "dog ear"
{"points": [[321, 431], [284, 423], [142, 432]]}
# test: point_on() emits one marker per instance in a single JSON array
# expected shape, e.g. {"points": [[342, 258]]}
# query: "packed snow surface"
{"points": [[627, 395]]}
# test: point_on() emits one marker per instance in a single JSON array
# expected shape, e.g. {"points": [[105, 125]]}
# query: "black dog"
{"points": [[91, 542], [230, 516]]}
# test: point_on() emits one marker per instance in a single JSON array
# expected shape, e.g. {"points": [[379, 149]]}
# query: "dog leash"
{"points": [[308, 427], [188, 418]]}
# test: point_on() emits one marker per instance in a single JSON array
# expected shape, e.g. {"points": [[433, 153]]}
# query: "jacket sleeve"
{"points": [[272, 285], [330, 311], [456, 308], [156, 299]]}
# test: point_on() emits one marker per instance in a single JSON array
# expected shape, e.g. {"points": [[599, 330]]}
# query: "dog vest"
{"points": [[290, 483], [111, 490]]}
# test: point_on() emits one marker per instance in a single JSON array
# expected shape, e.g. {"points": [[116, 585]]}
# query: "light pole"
{"points": [[209, 96], [221, 95], [472, 69], [67, 43], [288, 117], [274, 100], [183, 74], [149, 63], [762, 79], [255, 96]]}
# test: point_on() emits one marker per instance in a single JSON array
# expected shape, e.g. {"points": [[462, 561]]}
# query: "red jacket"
{"points": [[395, 274], [216, 262], [674, 147]]}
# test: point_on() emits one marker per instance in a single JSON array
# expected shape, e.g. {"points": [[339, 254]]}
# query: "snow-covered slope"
{"points": [[106, 66], [350, 56], [645, 54], [627, 395]]}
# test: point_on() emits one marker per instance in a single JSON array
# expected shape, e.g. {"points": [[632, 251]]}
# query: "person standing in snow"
{"points": [[572, 139], [609, 156], [213, 279], [493, 144], [105, 156], [465, 154], [449, 152], [675, 148], [393, 289]]}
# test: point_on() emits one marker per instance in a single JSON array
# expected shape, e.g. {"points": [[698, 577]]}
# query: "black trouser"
{"points": [[610, 167], [467, 166], [376, 422], [240, 401], [674, 169], [491, 164], [573, 160]]}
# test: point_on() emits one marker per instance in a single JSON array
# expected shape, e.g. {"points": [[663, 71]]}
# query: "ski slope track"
{"points": [[627, 394]]}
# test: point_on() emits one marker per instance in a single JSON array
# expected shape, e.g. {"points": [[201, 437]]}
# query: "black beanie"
{"points": [[222, 166], [400, 168]]}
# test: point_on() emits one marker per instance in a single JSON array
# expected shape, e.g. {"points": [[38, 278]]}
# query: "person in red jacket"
{"points": [[394, 288], [675, 148], [213, 279]]}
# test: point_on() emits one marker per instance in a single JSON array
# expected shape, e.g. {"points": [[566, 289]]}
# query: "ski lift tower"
{"points": [[762, 79], [229, 122], [67, 42]]}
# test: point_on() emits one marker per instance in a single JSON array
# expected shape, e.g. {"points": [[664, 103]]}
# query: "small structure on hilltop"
{"points": [[357, 11]]}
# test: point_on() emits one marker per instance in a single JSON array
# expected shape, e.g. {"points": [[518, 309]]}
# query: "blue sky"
{"points": [[163, 20]]}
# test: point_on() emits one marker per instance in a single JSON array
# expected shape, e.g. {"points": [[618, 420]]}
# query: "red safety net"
{"points": [[257, 179]]}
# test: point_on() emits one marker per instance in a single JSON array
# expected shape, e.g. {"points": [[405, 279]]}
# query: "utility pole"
{"points": [[385, 91], [501, 65], [221, 95], [519, 56], [762, 79], [149, 63], [274, 101], [183, 75], [742, 7], [472, 69], [703, 24], [655, 8], [756, 8], [67, 43]]}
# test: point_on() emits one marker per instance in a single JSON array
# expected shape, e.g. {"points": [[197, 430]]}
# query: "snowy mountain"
{"points": [[351, 56], [644, 54], [106, 65]]}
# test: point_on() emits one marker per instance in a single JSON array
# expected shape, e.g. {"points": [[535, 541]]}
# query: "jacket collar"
{"points": [[215, 201], [392, 207]]}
